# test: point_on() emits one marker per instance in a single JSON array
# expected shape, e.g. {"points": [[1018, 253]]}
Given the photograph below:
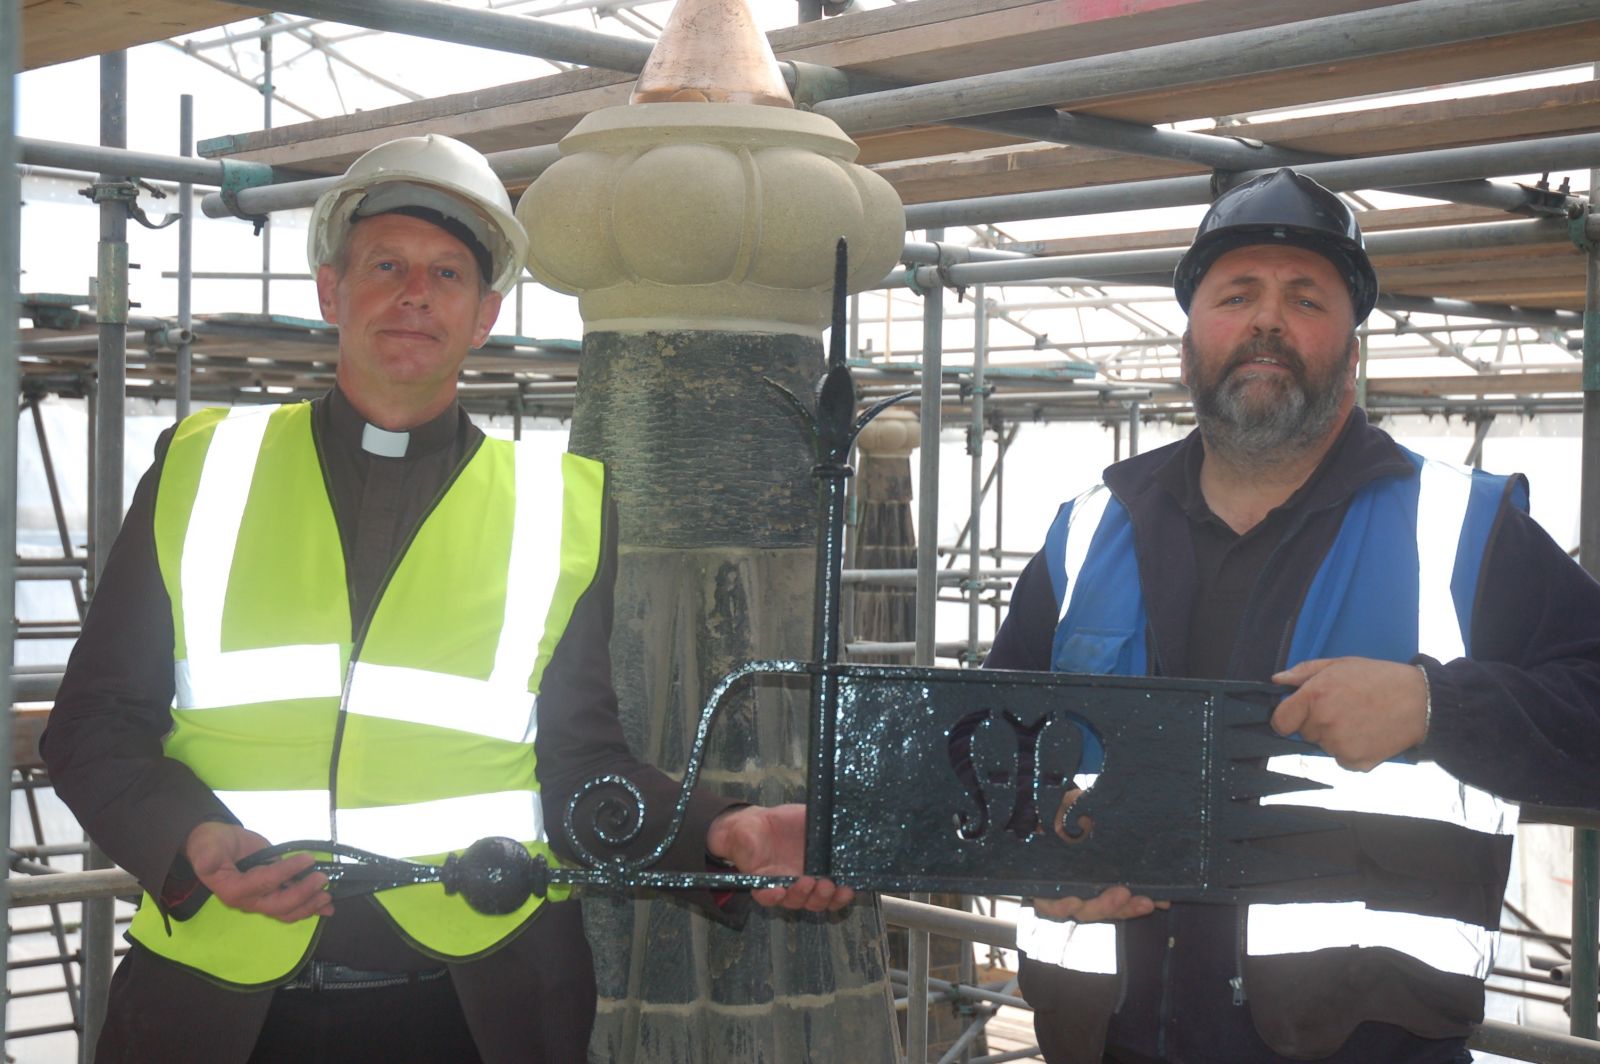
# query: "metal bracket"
{"points": [[812, 83], [50, 310], [1548, 202], [1578, 228], [238, 175], [125, 192], [166, 339]]}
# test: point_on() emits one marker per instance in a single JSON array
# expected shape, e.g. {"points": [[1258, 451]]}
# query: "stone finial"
{"points": [[670, 216], [711, 51], [894, 433]]}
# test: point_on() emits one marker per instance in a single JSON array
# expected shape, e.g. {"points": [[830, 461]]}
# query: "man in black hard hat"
{"points": [[1446, 655]]}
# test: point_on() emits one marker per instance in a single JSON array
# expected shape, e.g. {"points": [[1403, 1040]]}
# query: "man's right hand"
{"points": [[213, 848], [1113, 903]]}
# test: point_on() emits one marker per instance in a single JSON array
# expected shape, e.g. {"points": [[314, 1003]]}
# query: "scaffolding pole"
{"points": [[182, 367], [927, 606], [1535, 317], [1586, 841], [980, 360], [517, 166], [10, 275], [1395, 172], [479, 28], [1156, 266], [1421, 173], [264, 228], [1311, 43], [111, 311]]}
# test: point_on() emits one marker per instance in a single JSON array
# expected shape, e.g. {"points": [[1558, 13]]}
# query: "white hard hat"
{"points": [[431, 175]]}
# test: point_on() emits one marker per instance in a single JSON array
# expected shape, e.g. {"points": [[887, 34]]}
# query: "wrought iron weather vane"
{"points": [[977, 781]]}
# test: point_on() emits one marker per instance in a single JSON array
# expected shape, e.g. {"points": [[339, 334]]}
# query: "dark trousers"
{"points": [[1069, 1010], [530, 1002], [419, 1023]]}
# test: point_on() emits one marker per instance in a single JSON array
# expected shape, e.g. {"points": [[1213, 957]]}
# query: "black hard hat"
{"points": [[1281, 208]]}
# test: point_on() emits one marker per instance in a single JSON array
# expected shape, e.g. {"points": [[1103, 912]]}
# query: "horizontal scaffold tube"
{"points": [[482, 29], [1396, 172], [1145, 265], [1313, 42], [517, 166], [1412, 171], [101, 160]]}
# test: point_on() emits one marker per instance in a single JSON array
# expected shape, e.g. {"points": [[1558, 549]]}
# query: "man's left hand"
{"points": [[771, 841], [1360, 710]]}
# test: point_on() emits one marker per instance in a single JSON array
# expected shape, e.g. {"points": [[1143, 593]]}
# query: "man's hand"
{"points": [[1360, 710], [1113, 903], [771, 841], [272, 890]]}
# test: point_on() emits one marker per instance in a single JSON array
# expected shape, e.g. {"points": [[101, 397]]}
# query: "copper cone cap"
{"points": [[711, 51]]}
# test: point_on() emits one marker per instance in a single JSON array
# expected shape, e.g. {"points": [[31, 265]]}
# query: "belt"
{"points": [[321, 975]]}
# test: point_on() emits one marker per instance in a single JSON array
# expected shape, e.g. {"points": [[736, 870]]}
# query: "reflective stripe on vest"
{"points": [[437, 716], [1082, 522], [1445, 945], [1442, 495], [442, 826], [207, 676], [1090, 948], [1422, 789], [280, 816]]}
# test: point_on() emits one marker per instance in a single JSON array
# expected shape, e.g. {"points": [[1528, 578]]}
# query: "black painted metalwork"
{"points": [[924, 779]]}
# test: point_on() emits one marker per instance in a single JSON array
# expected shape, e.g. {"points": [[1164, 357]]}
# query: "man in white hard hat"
{"points": [[347, 620], [1444, 650]]}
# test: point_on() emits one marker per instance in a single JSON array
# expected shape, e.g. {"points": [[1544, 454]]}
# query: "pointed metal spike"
{"points": [[836, 406], [877, 408], [801, 408]]}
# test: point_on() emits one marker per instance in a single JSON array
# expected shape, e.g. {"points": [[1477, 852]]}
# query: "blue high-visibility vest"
{"points": [[1400, 579]]}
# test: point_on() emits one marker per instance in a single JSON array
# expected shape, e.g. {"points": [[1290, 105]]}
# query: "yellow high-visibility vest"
{"points": [[412, 738]]}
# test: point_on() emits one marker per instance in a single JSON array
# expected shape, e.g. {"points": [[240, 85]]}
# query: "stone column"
{"points": [[700, 239], [885, 535], [886, 539]]}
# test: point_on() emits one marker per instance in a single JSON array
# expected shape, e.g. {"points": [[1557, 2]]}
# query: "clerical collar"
{"points": [[383, 443], [349, 428]]}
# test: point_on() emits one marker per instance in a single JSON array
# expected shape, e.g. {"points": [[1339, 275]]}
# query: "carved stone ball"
{"points": [[494, 875], [894, 433], [668, 216]]}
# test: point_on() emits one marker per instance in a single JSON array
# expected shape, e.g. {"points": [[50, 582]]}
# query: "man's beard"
{"points": [[1255, 424]]}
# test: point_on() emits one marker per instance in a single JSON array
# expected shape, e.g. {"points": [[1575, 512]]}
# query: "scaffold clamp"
{"points": [[238, 175], [1578, 227]]}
